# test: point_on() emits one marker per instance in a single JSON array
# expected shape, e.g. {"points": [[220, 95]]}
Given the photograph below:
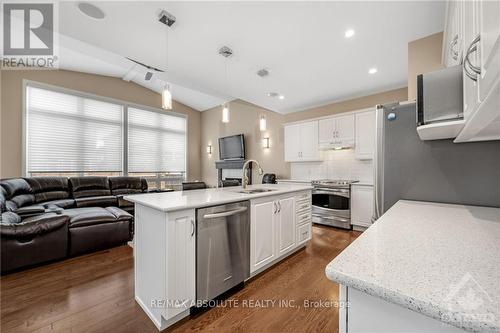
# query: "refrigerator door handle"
{"points": [[377, 162]]}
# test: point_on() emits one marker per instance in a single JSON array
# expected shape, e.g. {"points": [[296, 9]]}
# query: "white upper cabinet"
{"points": [[480, 28], [365, 135], [336, 132], [301, 142]]}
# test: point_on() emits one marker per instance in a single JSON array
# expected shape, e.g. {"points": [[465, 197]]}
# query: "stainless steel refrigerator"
{"points": [[438, 170]]}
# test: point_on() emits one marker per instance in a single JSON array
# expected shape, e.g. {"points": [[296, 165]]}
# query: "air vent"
{"points": [[225, 51], [263, 72]]}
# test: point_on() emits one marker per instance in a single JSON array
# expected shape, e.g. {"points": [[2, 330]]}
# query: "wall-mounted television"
{"points": [[232, 147]]}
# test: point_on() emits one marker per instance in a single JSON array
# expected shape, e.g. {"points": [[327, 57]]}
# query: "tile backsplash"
{"points": [[335, 164]]}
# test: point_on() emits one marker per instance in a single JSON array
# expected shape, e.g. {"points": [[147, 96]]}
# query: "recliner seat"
{"points": [[49, 218]]}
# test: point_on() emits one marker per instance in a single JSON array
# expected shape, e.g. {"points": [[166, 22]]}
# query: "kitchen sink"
{"points": [[256, 190]]}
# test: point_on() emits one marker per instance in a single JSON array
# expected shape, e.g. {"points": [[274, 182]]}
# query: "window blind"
{"points": [[156, 141], [69, 133]]}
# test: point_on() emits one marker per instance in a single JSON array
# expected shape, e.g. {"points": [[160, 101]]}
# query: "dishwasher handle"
{"points": [[226, 213]]}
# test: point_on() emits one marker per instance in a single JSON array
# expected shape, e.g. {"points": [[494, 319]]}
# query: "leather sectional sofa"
{"points": [[50, 218]]}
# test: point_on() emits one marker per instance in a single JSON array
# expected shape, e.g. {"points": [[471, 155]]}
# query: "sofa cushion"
{"points": [[32, 226], [119, 214], [15, 186], [64, 203], [127, 185], [18, 193], [80, 217], [31, 210], [3, 199], [102, 201], [9, 218], [49, 188], [89, 186]]}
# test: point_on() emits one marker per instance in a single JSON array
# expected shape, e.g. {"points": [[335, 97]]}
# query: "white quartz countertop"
{"points": [[437, 259], [172, 201]]}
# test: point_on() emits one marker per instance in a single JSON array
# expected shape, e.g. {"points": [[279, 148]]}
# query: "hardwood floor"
{"points": [[95, 293]]}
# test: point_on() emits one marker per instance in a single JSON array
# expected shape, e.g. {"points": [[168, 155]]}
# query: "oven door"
{"points": [[331, 207]]}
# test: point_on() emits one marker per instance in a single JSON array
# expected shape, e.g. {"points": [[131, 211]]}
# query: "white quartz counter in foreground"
{"points": [[172, 201], [437, 259]]}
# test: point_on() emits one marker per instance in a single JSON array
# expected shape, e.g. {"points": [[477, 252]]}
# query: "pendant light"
{"points": [[166, 97], [226, 52], [166, 94], [225, 113]]}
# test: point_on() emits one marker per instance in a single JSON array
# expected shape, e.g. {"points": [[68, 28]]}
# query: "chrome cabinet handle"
{"points": [[192, 228], [476, 70], [275, 209], [279, 205], [226, 213]]}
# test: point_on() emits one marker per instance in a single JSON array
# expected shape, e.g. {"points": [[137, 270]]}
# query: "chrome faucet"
{"points": [[244, 183]]}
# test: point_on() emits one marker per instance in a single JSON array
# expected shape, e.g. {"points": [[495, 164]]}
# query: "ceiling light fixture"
{"points": [[226, 52], [263, 123], [272, 94], [349, 33], [91, 10], [166, 95], [281, 97], [372, 70], [225, 113]]}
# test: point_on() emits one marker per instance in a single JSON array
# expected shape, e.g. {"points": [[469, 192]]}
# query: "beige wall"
{"points": [[424, 55], [244, 118], [396, 95], [11, 110]]}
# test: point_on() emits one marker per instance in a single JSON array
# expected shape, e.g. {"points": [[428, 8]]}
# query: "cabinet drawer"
{"points": [[303, 233], [303, 217], [303, 206]]}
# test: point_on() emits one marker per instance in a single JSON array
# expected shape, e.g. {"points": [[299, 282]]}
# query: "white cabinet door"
{"points": [[470, 31], [365, 135], [285, 225], [181, 260], [344, 129], [361, 205], [489, 28], [453, 39], [326, 130], [292, 143], [262, 244], [309, 141]]}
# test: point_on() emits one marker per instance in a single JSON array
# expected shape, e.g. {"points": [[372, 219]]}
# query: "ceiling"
{"points": [[302, 44]]}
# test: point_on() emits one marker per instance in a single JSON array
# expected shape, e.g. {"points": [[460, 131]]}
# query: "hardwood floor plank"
{"points": [[95, 293]]}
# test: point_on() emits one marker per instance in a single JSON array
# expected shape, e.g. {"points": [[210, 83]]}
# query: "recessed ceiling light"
{"points": [[91, 10], [349, 33], [372, 70], [281, 97]]}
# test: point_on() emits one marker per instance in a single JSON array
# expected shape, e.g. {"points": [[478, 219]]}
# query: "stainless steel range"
{"points": [[331, 202]]}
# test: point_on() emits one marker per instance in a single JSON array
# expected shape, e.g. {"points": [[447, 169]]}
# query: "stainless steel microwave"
{"points": [[440, 96]]}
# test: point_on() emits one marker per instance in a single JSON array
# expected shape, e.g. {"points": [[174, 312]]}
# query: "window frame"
{"points": [[125, 106]]}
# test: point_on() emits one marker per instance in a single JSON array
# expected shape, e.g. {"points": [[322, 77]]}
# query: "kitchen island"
{"points": [[165, 240], [422, 267]]}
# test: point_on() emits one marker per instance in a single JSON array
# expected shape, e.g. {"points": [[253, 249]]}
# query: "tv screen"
{"points": [[232, 147]]}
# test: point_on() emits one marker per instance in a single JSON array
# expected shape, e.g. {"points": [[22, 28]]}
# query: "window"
{"points": [[70, 134], [156, 144]]}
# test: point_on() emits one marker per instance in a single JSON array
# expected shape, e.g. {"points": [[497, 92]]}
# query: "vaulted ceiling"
{"points": [[302, 44]]}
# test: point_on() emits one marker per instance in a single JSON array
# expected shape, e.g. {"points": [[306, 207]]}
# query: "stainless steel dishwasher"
{"points": [[222, 248]]}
